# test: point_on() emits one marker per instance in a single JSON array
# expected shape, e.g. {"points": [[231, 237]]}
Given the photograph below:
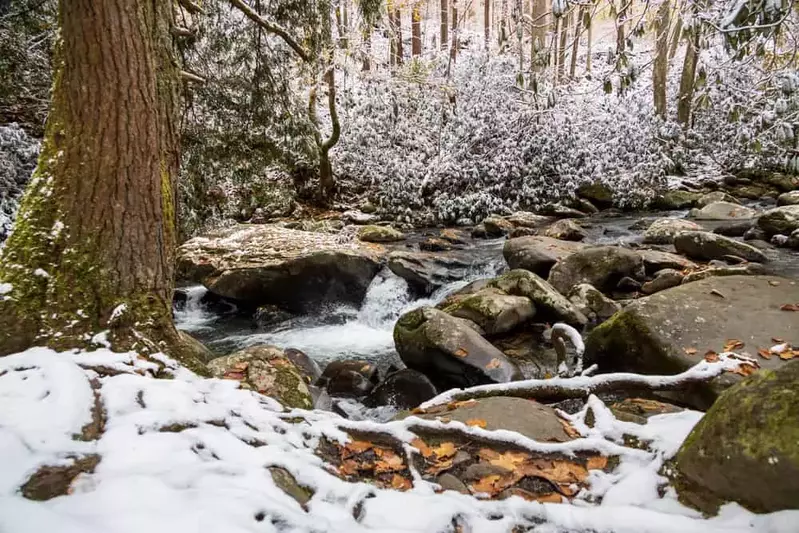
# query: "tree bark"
{"points": [[93, 246], [589, 21], [661, 64], [398, 41], [487, 23], [444, 24], [621, 41], [576, 41], [539, 35], [555, 47], [416, 29], [453, 51], [675, 39], [564, 38], [687, 78]]}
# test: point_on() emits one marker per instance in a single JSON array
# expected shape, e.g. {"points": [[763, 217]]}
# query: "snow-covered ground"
{"points": [[212, 476]]}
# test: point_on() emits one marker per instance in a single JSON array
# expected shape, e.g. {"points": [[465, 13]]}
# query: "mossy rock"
{"points": [[782, 220], [746, 448], [597, 192], [548, 301], [380, 234], [600, 266], [671, 200], [493, 310], [268, 370]]}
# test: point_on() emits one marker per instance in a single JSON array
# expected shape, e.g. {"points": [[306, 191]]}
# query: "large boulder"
{"points": [[268, 370], [746, 448], [549, 303], [425, 272], [600, 266], [566, 229], [449, 350], [537, 254], [403, 389], [526, 219], [495, 311], [670, 331], [656, 260], [269, 264], [716, 196], [788, 198], [724, 211], [663, 230], [496, 226], [380, 234], [707, 246], [782, 220]]}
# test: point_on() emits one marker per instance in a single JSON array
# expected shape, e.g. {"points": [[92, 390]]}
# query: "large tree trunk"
{"points": [[675, 38], [688, 77], [661, 65], [444, 24], [416, 29], [539, 35], [93, 246]]}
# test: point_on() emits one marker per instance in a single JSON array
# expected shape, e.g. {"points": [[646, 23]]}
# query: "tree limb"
{"points": [[272, 28], [191, 7], [335, 135], [194, 78]]}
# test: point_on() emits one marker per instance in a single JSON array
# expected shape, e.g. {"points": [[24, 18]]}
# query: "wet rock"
{"points": [[706, 246], [584, 206], [265, 369], [663, 230], [449, 350], [600, 266], [672, 200], [526, 219], [380, 234], [755, 234], [435, 245], [724, 211], [522, 232], [652, 334], [308, 367], [426, 272], [359, 218], [592, 303], [734, 229], [750, 269], [745, 448], [716, 196], [495, 311], [596, 192], [549, 303], [531, 350], [268, 315], [497, 227], [782, 182], [561, 211], [783, 220], [450, 482], [537, 254], [364, 368], [779, 240], [463, 293], [349, 378], [403, 389], [289, 484], [565, 230], [655, 261], [753, 192], [479, 232], [639, 410], [269, 264], [788, 198], [793, 240], [453, 236], [628, 284], [664, 279]]}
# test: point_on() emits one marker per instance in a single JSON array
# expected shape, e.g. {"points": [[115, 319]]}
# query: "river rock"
{"points": [[522, 232], [596, 192], [495, 311], [265, 369], [561, 211], [380, 234], [526, 219], [704, 245], [663, 230], [734, 228], [449, 350], [754, 192], [655, 261], [788, 198], [716, 196], [453, 236], [783, 220], [782, 182], [749, 269], [359, 218], [793, 240], [652, 334], [425, 272], [349, 378], [592, 303], [565, 230], [549, 303], [269, 264], [671, 200], [435, 245], [497, 226], [664, 279], [269, 315], [724, 211], [600, 266], [308, 367], [746, 448], [537, 254], [403, 389]]}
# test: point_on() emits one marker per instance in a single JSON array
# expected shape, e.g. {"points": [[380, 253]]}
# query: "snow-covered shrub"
{"points": [[18, 152]]}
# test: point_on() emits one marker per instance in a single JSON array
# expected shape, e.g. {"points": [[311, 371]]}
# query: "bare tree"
{"points": [[443, 14], [661, 64]]}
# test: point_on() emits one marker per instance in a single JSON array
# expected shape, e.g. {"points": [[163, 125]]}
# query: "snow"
{"points": [[5, 288], [212, 475]]}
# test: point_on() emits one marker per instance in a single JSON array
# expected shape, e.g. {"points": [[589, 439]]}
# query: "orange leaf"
{"points": [[552, 497], [690, 351], [445, 449], [789, 307], [479, 422], [598, 462], [711, 357], [460, 352], [355, 447], [788, 354], [349, 467], [463, 403], [389, 461], [764, 353], [400, 483], [733, 344], [570, 431], [510, 460], [422, 446], [487, 485], [494, 363]]}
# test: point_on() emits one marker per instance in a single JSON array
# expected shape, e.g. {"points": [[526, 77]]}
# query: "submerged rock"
{"points": [[269, 264], [706, 246], [449, 350], [600, 266], [265, 369], [671, 330], [663, 230], [746, 448], [537, 254]]}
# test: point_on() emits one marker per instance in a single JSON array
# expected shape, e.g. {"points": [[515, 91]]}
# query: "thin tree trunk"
{"points": [[503, 25], [444, 26], [564, 38], [675, 38], [341, 25], [392, 31], [367, 48], [576, 41], [687, 79], [93, 246], [621, 42], [487, 23], [398, 21], [661, 65], [453, 51], [555, 48], [588, 45], [416, 30], [520, 37], [539, 35]]}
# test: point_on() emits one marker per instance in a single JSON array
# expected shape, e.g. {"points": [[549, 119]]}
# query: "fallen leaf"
{"points": [[439, 466], [765, 354], [552, 497], [510, 460], [494, 363], [486, 485], [349, 467], [745, 370], [487, 454], [422, 446], [388, 461], [570, 431], [711, 357], [460, 352], [355, 447], [733, 344], [462, 403], [789, 307], [690, 351], [477, 422], [400, 483], [417, 411], [445, 449], [598, 462], [788, 355]]}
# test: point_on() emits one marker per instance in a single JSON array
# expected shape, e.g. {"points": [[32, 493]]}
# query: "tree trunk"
{"points": [[589, 21], [341, 25], [453, 51], [392, 30], [444, 24], [539, 35], [661, 65], [675, 39], [93, 246], [398, 41], [686, 95], [564, 38], [555, 45], [503, 25], [621, 42], [576, 41], [416, 30], [367, 48], [487, 23]]}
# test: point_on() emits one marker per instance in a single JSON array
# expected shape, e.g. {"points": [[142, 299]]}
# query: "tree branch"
{"points": [[191, 7], [194, 78], [272, 28], [335, 135]]}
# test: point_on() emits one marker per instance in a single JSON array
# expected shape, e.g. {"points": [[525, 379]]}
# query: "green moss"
{"points": [[291, 388]]}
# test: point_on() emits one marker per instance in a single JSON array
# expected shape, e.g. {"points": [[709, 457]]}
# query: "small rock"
{"points": [[307, 366], [724, 211], [793, 240], [734, 229], [477, 471], [268, 315], [655, 261], [525, 219], [497, 227], [706, 246], [537, 254], [349, 384], [493, 310], [380, 234], [522, 232], [592, 303], [435, 245], [788, 198], [755, 234], [450, 482], [717, 196], [561, 211], [779, 240], [783, 220], [403, 389], [479, 232], [665, 279], [425, 272], [549, 303], [672, 200], [288, 484], [663, 230], [359, 218], [566, 230], [453, 236], [628, 284]]}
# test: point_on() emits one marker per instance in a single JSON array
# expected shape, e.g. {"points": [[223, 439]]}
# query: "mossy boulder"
{"points": [[380, 234], [495, 311], [788, 198], [668, 332], [537, 254], [449, 350], [592, 303], [671, 200], [425, 272], [707, 246], [746, 448], [268, 370], [782, 220], [549, 303], [596, 192], [782, 182], [600, 266]]}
